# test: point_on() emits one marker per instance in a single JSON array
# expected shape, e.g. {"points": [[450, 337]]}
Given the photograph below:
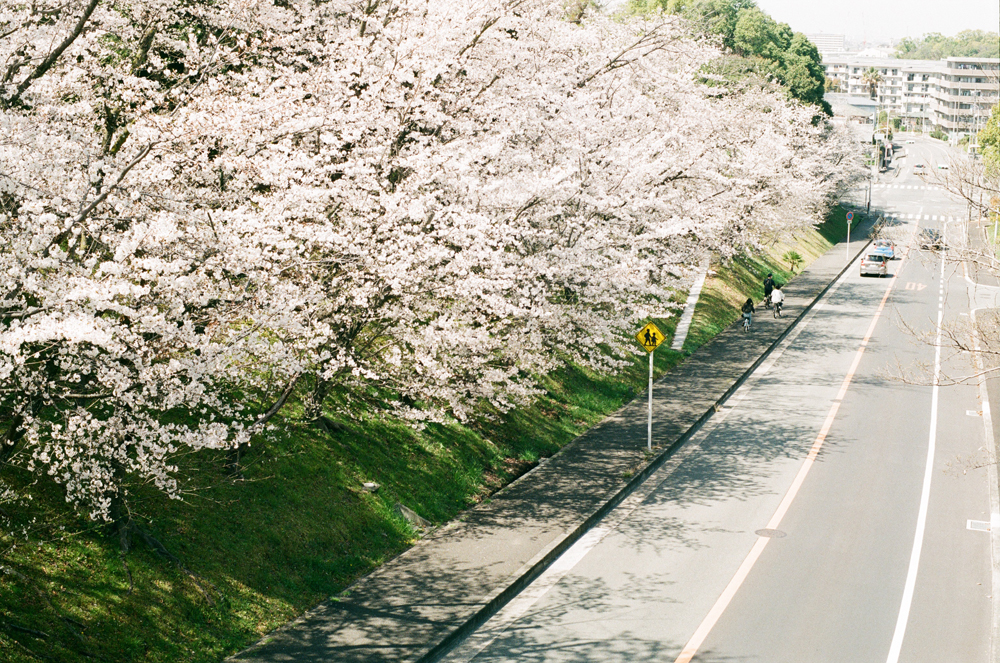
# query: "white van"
{"points": [[874, 263]]}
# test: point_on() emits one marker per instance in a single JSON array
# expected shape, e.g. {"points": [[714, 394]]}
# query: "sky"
{"points": [[885, 19]]}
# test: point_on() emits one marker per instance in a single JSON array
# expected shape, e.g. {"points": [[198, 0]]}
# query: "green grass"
{"points": [[726, 290], [992, 233], [299, 528]]}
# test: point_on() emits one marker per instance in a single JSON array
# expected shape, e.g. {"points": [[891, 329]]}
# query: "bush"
{"points": [[940, 135]]}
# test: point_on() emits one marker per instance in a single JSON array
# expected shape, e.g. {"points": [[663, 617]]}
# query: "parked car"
{"points": [[943, 166], [885, 246], [910, 142], [930, 239], [874, 263], [919, 168]]}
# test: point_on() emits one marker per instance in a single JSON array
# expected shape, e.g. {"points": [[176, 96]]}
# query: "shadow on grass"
{"points": [[299, 529]]}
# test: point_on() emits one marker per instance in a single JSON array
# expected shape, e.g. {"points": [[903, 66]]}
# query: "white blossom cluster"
{"points": [[208, 205]]}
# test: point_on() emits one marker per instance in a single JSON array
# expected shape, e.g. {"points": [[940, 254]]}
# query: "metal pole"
{"points": [[649, 421], [848, 247]]}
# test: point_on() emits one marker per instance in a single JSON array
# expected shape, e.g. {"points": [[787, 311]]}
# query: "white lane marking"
{"points": [[722, 603], [973, 413], [978, 525], [918, 537]]}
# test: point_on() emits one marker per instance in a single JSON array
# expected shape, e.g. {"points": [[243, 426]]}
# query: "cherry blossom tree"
{"points": [[211, 209]]}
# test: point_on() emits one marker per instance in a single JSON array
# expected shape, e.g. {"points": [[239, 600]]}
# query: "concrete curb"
{"points": [[493, 602]]}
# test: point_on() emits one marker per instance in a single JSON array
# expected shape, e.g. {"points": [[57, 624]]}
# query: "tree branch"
{"points": [[121, 176], [54, 55]]}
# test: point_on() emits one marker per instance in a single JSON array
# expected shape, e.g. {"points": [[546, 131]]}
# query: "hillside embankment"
{"points": [[245, 554]]}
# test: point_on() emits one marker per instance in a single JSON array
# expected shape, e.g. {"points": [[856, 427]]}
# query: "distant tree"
{"points": [[989, 142], [802, 71], [717, 17], [872, 78], [934, 46], [771, 48], [756, 33]]}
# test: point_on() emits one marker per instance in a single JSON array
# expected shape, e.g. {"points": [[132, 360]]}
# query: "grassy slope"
{"points": [[300, 527], [728, 287]]}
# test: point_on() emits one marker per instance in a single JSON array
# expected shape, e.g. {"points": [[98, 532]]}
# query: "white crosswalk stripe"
{"points": [[908, 186]]}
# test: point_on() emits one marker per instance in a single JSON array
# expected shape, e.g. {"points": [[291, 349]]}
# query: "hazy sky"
{"points": [[885, 18]]}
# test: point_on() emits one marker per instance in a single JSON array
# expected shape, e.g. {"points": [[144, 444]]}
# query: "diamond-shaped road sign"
{"points": [[650, 337]]}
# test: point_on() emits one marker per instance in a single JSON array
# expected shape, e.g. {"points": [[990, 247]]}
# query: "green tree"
{"points": [[934, 46], [872, 78], [756, 33], [793, 259], [989, 142], [802, 70], [717, 17], [770, 48]]}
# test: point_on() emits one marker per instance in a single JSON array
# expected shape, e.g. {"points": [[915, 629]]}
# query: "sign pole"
{"points": [[649, 338], [649, 421]]}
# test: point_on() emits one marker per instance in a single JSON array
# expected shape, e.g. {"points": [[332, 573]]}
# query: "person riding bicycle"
{"points": [[768, 289], [747, 309], [777, 297]]}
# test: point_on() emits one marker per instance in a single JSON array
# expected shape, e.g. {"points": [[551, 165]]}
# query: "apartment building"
{"points": [[953, 95], [965, 93], [827, 43]]}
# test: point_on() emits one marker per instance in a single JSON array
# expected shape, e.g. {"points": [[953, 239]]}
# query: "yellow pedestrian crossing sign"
{"points": [[650, 337]]}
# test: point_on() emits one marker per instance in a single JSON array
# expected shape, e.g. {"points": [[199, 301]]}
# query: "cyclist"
{"points": [[777, 297], [747, 311], [768, 288]]}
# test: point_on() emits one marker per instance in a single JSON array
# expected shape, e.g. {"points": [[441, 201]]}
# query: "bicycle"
{"points": [[746, 322], [777, 309], [767, 300]]}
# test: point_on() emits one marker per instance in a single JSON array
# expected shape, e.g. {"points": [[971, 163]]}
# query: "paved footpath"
{"points": [[984, 298], [415, 606]]}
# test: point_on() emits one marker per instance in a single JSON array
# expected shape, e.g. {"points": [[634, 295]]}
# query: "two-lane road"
{"points": [[822, 515]]}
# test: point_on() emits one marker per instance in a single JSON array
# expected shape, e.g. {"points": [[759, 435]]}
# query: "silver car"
{"points": [[874, 263]]}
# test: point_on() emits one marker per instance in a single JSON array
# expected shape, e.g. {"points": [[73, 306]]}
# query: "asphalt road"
{"points": [[821, 516]]}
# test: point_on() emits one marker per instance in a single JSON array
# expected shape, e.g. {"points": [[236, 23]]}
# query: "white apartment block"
{"points": [[826, 43], [954, 95]]}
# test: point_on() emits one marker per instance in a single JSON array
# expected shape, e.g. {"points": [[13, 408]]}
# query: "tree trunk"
{"points": [[9, 446]]}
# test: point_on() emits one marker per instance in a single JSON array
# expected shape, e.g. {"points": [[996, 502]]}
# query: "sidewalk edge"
{"points": [[537, 565]]}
